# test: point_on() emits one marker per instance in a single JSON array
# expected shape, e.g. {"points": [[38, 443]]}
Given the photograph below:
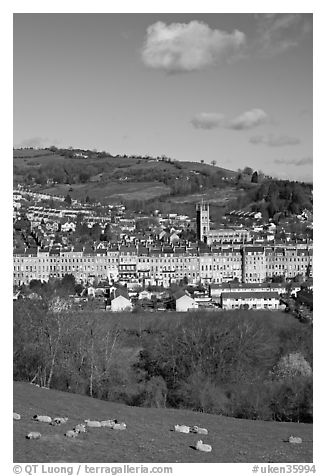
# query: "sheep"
{"points": [[108, 423], [119, 426], [295, 439], [71, 434], [182, 428], [59, 420], [93, 423], [80, 428], [42, 418], [33, 435], [200, 446], [16, 416], [200, 431]]}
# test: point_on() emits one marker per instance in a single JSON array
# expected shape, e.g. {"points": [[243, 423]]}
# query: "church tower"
{"points": [[202, 218]]}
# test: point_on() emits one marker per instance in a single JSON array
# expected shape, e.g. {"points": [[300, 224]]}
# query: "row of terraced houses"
{"points": [[247, 263]]}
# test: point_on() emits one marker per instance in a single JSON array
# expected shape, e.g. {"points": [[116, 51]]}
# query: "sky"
{"points": [[234, 88]]}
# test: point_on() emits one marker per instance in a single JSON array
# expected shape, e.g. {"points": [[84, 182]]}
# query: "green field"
{"points": [[112, 191], [149, 437]]}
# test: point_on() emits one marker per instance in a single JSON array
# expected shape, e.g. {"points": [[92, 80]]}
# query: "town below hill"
{"points": [[163, 284]]}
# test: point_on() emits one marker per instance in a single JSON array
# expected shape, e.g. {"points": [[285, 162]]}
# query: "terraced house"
{"points": [[165, 264]]}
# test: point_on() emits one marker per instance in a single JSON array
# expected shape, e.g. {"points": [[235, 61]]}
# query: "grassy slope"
{"points": [[108, 189], [113, 190], [148, 437]]}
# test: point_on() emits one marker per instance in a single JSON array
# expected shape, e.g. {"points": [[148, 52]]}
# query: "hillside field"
{"points": [[110, 191], [107, 178], [148, 437]]}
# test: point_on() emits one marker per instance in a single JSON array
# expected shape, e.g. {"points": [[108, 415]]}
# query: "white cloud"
{"points": [[246, 120], [207, 120], [181, 47], [274, 141]]}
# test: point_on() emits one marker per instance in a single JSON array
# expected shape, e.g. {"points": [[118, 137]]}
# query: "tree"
{"points": [[41, 179], [202, 161], [213, 162], [107, 235], [68, 199], [248, 171], [96, 232], [79, 289], [254, 177], [68, 283], [290, 366], [35, 285]]}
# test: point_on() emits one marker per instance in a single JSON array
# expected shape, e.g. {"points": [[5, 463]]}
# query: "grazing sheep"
{"points": [[59, 420], [42, 418], [200, 431], [119, 426], [200, 446], [295, 439], [80, 428], [93, 424], [33, 435], [109, 423], [71, 434], [16, 416], [182, 428]]}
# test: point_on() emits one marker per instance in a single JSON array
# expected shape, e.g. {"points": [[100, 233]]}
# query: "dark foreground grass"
{"points": [[148, 437]]}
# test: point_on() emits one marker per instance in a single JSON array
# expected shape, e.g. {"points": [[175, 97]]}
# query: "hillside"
{"points": [[107, 178], [148, 437], [149, 183]]}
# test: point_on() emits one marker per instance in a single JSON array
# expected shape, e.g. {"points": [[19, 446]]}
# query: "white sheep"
{"points": [[93, 423], [108, 423], [200, 431], [295, 439], [16, 416], [182, 428], [33, 435], [119, 426], [42, 418], [200, 446], [80, 428], [59, 420], [71, 433]]}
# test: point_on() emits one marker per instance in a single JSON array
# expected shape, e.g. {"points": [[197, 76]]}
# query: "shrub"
{"points": [[291, 366], [155, 393], [200, 394], [250, 401], [292, 400]]}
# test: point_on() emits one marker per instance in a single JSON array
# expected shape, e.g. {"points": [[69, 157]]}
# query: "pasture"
{"points": [[149, 437], [110, 191]]}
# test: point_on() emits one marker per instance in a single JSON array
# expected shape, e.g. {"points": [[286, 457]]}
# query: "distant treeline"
{"points": [[244, 364]]}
